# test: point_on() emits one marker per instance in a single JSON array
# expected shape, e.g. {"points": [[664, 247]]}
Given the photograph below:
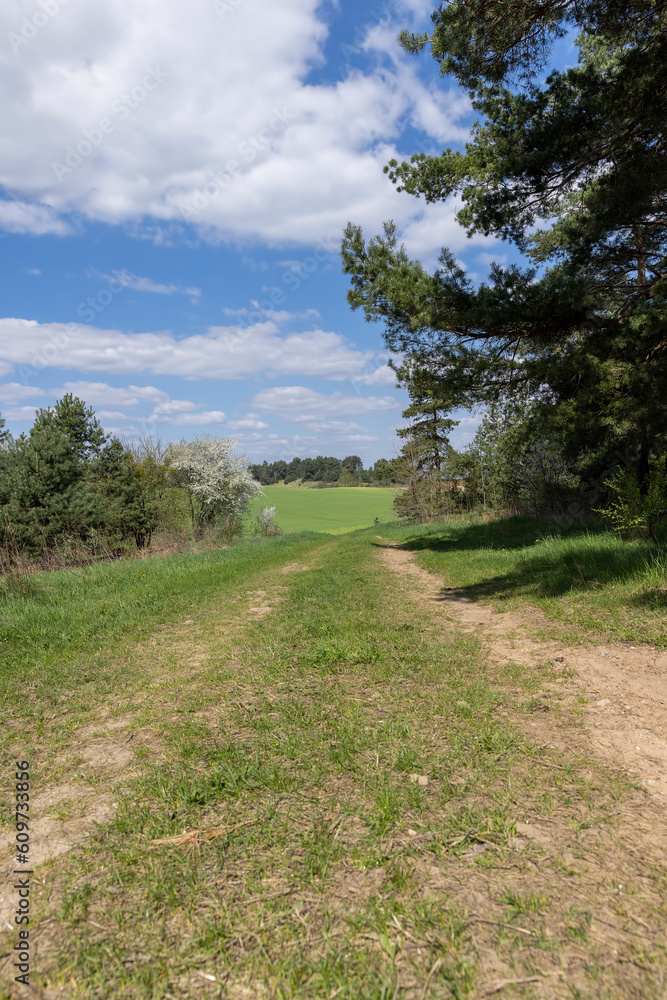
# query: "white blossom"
{"points": [[213, 472], [265, 523]]}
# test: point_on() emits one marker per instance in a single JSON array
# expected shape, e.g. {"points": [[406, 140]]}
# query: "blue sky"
{"points": [[174, 181]]}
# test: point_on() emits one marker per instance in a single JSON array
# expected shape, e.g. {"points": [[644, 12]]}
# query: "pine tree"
{"points": [[581, 153], [72, 417], [429, 428], [130, 506], [49, 497]]}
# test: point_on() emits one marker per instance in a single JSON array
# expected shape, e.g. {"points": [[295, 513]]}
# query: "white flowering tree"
{"points": [[216, 478]]}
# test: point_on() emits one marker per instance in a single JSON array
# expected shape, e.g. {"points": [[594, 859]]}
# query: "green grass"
{"points": [[352, 881], [579, 574], [334, 511], [49, 631]]}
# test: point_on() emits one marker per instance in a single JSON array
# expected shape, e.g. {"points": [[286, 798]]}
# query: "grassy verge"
{"points": [[74, 611], [577, 573], [363, 799]]}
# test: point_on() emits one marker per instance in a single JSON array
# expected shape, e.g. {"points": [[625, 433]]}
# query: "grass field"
{"points": [[279, 774], [334, 511]]}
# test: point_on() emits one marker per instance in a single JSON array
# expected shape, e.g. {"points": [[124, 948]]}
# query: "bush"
{"points": [[217, 480], [265, 523], [633, 512]]}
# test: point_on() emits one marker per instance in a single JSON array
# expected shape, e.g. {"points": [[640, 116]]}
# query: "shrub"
{"points": [[632, 511]]}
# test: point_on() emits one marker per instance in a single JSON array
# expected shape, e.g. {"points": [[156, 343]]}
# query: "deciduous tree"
{"points": [[217, 479]]}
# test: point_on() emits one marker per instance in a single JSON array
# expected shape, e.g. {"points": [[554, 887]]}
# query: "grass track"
{"points": [[353, 881], [50, 633], [334, 511]]}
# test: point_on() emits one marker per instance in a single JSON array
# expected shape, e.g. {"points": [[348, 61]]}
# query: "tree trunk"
{"points": [[438, 490], [641, 461]]}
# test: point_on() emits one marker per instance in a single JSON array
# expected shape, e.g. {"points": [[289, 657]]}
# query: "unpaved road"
{"points": [[624, 714]]}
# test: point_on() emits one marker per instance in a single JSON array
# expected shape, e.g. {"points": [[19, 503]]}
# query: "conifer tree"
{"points": [[582, 154], [429, 427]]}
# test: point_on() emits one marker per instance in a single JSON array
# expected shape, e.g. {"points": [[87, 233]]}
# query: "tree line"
{"points": [[325, 470]]}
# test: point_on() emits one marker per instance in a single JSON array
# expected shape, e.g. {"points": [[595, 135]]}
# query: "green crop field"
{"points": [[333, 510]]}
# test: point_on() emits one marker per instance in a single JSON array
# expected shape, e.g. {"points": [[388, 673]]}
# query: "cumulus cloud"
{"points": [[20, 414], [106, 415], [163, 409], [14, 392], [302, 405], [24, 217], [232, 352], [247, 423], [383, 375], [201, 419], [101, 394], [349, 431], [104, 117]]}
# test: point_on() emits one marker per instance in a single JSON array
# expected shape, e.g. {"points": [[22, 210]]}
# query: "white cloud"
{"points": [[14, 392], [101, 394], [232, 352], [301, 405], [174, 406], [165, 410], [420, 8], [340, 428], [240, 153], [32, 270], [180, 419], [247, 423], [462, 435], [279, 316], [383, 375], [133, 281], [20, 413], [105, 415], [24, 217], [487, 259]]}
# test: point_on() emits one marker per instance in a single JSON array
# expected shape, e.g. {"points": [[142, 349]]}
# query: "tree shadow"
{"points": [[506, 533], [578, 567], [654, 599]]}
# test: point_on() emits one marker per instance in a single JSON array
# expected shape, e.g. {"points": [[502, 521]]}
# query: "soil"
{"points": [[619, 695], [63, 815], [621, 689]]}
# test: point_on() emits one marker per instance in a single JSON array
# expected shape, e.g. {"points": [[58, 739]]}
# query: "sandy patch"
{"points": [[61, 817]]}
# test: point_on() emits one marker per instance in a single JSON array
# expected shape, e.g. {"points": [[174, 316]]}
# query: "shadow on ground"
{"points": [[538, 570]]}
